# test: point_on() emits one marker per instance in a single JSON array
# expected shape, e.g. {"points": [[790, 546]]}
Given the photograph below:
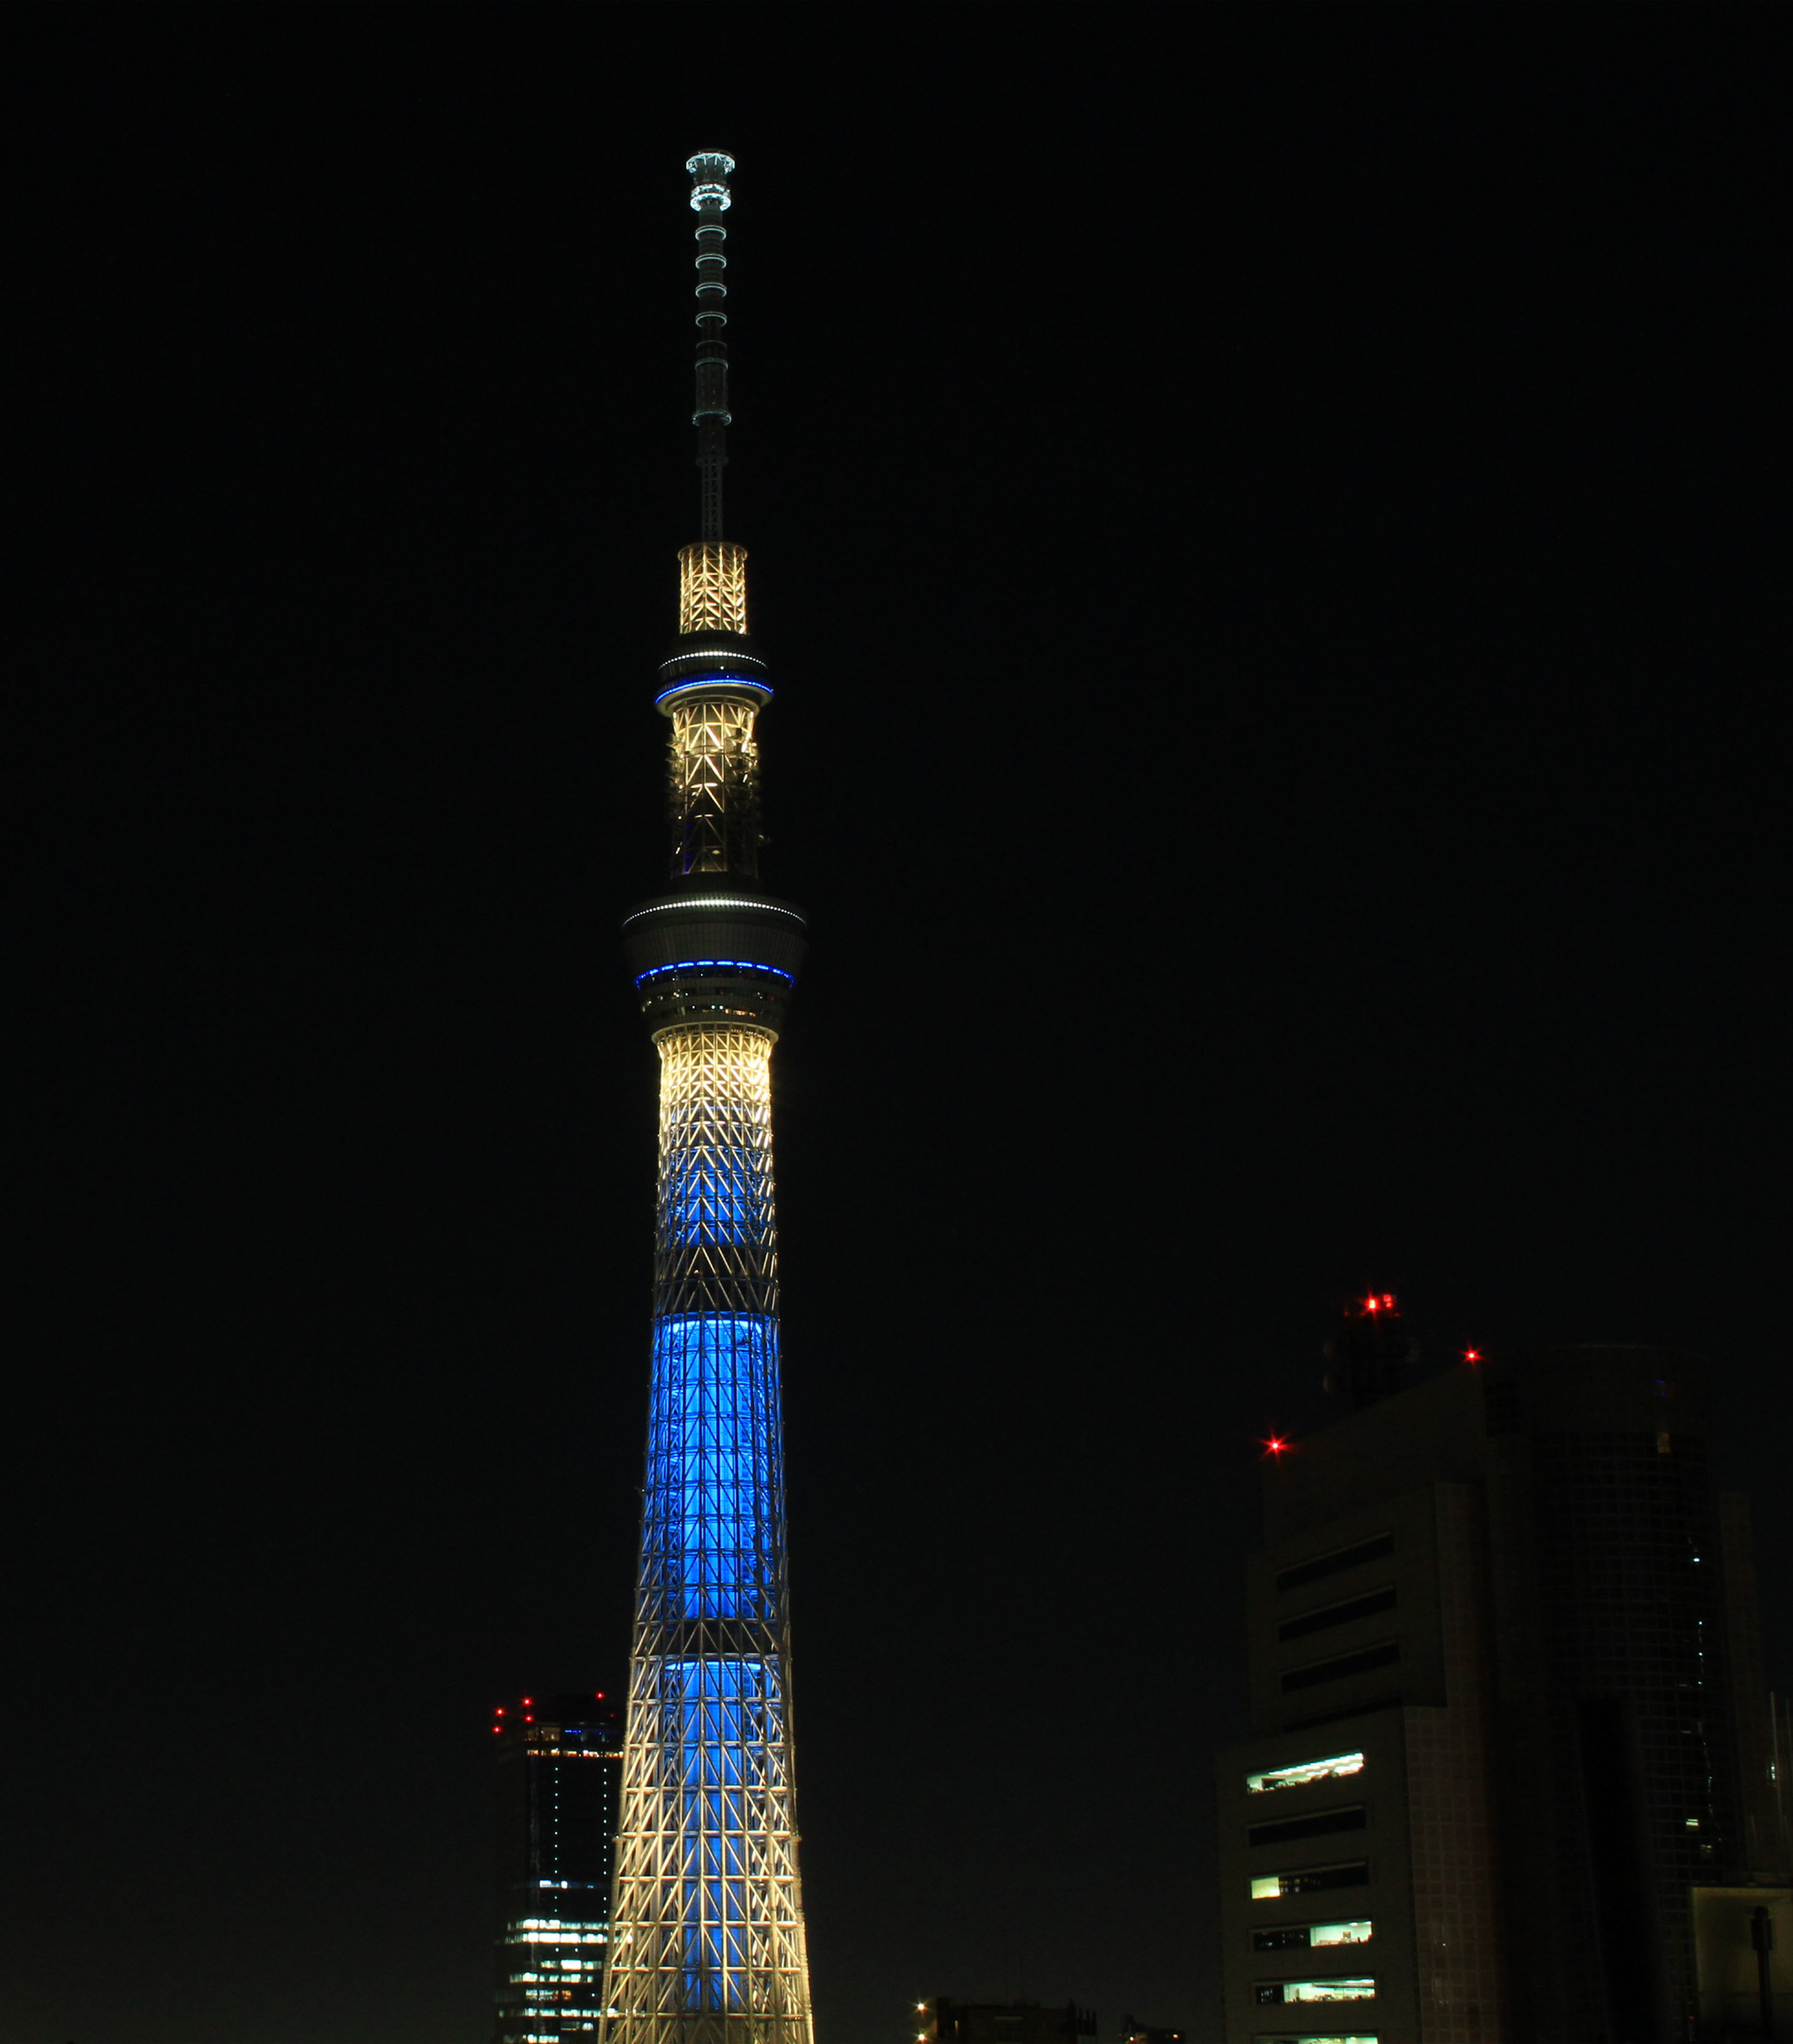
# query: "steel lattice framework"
{"points": [[707, 1943], [714, 774], [713, 587]]}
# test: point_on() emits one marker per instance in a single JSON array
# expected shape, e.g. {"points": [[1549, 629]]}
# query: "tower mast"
{"points": [[707, 1943], [711, 199]]}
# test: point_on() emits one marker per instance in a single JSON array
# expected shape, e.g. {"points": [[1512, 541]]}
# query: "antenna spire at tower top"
{"points": [[711, 199]]}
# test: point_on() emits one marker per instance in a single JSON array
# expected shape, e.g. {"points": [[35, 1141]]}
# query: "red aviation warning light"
{"points": [[1472, 1355], [1276, 1447]]}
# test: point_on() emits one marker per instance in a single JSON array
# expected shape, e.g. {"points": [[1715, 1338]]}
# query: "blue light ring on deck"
{"points": [[713, 965], [745, 685], [714, 928]]}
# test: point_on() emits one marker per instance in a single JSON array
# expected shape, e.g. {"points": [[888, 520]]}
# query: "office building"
{"points": [[559, 1759], [1506, 1711], [946, 2021]]}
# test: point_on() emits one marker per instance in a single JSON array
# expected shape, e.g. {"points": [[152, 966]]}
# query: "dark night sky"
{"points": [[1263, 519]]}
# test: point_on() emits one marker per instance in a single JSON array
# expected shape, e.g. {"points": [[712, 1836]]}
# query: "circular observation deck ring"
{"points": [[715, 950], [725, 991], [705, 688], [721, 664], [719, 940]]}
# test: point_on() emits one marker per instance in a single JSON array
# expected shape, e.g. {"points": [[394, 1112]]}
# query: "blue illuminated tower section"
{"points": [[707, 1928]]}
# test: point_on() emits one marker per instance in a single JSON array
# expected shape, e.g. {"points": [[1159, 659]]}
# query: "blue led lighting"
{"points": [[734, 965], [721, 1716], [717, 1193], [710, 1530], [678, 688]]}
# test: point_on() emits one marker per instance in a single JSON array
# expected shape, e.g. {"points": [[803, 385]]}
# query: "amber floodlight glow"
{"points": [[713, 587]]}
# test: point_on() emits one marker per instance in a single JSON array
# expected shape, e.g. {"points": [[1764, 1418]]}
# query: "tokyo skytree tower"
{"points": [[706, 1938]]}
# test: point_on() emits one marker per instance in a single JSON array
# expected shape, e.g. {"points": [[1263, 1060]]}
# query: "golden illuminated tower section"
{"points": [[707, 1924]]}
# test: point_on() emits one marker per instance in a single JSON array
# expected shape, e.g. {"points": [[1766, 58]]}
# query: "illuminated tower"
{"points": [[708, 1925]]}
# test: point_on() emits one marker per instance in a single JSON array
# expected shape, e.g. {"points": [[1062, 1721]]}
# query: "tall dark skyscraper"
{"points": [[559, 1759], [708, 1945], [1509, 1732]]}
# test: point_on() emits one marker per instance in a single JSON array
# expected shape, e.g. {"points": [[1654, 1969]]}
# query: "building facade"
{"points": [[1004, 2022], [708, 1943], [559, 1760], [1506, 1713]]}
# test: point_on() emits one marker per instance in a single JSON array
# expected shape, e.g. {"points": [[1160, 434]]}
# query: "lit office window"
{"points": [[1358, 1933], [1299, 1936], [1309, 2037], [1311, 1880], [1359, 1989], [1334, 1767]]}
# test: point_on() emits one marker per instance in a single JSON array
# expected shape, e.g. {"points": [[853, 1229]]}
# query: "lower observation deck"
{"points": [[715, 949]]}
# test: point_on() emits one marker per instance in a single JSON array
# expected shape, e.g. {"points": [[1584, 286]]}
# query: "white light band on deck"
{"points": [[711, 901]]}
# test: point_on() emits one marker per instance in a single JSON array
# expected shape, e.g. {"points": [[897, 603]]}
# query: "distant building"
{"points": [[558, 1761], [1737, 1933], [1004, 2022], [1145, 2033], [1507, 1714]]}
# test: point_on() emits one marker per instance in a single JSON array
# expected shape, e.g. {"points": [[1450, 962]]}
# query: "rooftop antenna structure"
{"points": [[711, 199]]}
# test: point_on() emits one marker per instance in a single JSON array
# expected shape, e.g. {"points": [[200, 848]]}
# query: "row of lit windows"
{"points": [[1309, 2037], [1358, 1989], [1302, 1937], [1334, 1767], [536, 1933], [1310, 1879]]}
